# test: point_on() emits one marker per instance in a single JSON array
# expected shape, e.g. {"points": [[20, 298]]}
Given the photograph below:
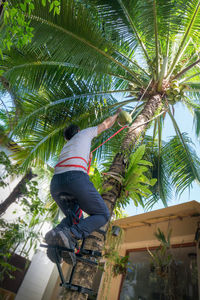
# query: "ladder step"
{"points": [[87, 261], [78, 288], [57, 247], [81, 252], [91, 236], [103, 232], [90, 252]]}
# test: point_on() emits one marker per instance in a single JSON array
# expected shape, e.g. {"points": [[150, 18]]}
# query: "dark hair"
{"points": [[70, 131]]}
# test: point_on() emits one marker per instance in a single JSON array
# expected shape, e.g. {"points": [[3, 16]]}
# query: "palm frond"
{"points": [[156, 38], [190, 25], [184, 167], [77, 32], [43, 106], [197, 122], [162, 190]]}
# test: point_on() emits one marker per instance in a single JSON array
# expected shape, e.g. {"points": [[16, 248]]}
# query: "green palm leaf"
{"points": [[184, 168], [162, 190], [197, 121]]}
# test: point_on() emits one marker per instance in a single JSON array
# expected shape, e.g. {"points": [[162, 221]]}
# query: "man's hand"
{"points": [[107, 123], [118, 110]]}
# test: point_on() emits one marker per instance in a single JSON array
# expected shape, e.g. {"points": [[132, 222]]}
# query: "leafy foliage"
{"points": [[162, 190], [181, 162], [162, 258], [16, 28], [9, 169], [135, 182], [19, 235], [165, 265], [115, 263], [10, 236], [22, 234]]}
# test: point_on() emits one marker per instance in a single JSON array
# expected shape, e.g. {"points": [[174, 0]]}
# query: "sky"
{"points": [[184, 120]]}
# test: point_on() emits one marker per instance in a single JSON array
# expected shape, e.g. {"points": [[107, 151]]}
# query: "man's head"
{"points": [[70, 131]]}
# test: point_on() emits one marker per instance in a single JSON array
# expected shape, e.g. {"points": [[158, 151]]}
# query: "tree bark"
{"points": [[18, 191], [84, 274], [6, 85]]}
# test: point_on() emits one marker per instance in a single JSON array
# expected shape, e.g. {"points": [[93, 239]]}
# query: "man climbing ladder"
{"points": [[71, 180]]}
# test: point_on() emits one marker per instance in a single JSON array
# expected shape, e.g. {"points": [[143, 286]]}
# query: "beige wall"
{"points": [[198, 264], [142, 236], [183, 231]]}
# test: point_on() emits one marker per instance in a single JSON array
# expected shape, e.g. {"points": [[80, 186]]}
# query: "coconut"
{"points": [[124, 118]]}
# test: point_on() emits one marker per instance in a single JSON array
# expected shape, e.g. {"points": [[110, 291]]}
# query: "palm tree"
{"points": [[20, 189], [77, 64]]}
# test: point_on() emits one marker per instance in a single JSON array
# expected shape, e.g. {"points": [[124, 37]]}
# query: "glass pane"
{"points": [[147, 281]]}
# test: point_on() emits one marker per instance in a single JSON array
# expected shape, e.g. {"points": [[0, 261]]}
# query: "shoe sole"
{"points": [[58, 238], [50, 237], [53, 255], [68, 257]]}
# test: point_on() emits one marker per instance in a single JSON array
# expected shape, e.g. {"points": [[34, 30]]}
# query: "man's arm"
{"points": [[107, 123]]}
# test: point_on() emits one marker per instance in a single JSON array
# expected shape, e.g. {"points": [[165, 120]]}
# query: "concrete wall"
{"points": [[37, 278]]}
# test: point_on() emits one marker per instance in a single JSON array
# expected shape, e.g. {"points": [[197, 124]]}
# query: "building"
{"points": [[149, 279]]}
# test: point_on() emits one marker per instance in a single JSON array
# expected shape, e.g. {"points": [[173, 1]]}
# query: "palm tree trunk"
{"points": [[6, 85], [84, 274], [18, 191]]}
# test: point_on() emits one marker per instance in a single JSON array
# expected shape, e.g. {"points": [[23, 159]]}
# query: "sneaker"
{"points": [[54, 255], [50, 236], [65, 238]]}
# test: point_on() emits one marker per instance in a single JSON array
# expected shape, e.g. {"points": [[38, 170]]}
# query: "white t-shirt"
{"points": [[79, 145]]}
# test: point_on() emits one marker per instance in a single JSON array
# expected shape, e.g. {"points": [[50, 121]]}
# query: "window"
{"points": [[146, 280]]}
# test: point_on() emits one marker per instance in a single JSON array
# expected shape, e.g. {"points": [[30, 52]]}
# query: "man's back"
{"points": [[78, 146]]}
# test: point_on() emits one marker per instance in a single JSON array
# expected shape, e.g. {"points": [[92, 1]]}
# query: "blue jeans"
{"points": [[79, 189]]}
